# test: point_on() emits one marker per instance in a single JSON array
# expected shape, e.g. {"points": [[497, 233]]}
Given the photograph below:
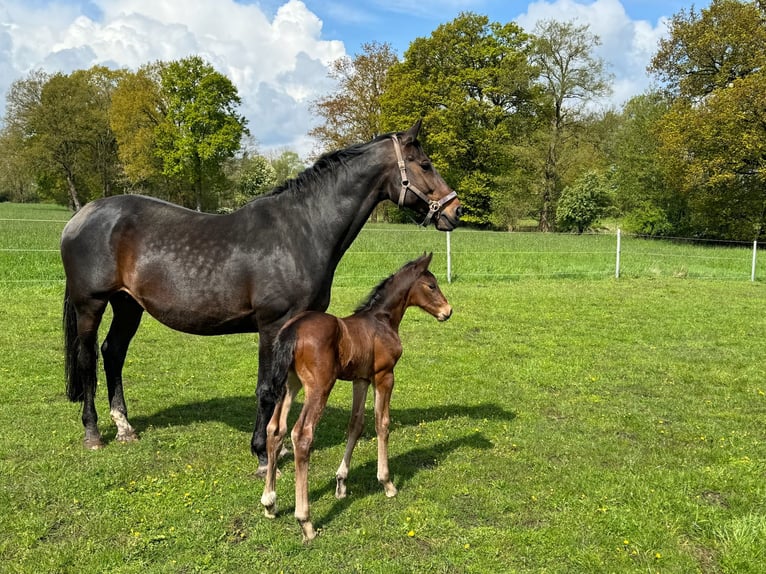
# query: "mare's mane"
{"points": [[329, 163]]}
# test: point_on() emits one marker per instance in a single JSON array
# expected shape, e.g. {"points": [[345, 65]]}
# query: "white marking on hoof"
{"points": [[308, 531], [340, 487], [390, 489], [269, 502]]}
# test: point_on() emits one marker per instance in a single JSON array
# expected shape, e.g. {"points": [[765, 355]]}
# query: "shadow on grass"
{"points": [[362, 480], [239, 413]]}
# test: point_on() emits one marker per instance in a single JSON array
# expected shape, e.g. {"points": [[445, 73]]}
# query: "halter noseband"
{"points": [[434, 205]]}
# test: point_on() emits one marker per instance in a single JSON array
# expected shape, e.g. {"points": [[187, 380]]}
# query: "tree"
{"points": [[136, 113], [201, 128], [286, 165], [583, 203], [570, 77], [471, 82], [713, 139], [62, 122], [352, 114], [18, 162]]}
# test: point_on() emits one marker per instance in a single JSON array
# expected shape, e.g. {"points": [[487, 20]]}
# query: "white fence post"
{"points": [[755, 251], [449, 259], [617, 264]]}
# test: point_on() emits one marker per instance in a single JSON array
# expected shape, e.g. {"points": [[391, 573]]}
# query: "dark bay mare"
{"points": [[315, 349], [248, 271]]}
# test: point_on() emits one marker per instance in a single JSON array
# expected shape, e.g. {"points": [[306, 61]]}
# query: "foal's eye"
{"points": [[426, 165]]}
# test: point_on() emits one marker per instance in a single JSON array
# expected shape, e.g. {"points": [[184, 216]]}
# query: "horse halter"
{"points": [[434, 205]]}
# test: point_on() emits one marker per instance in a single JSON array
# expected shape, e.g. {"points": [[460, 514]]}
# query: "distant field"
{"points": [[29, 237], [561, 421]]}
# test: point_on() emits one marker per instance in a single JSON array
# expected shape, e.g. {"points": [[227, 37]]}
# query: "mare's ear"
{"points": [[412, 134]]}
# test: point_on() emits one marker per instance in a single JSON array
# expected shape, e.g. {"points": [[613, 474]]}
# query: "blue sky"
{"points": [[277, 52]]}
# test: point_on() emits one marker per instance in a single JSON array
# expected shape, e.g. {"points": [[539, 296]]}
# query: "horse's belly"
{"points": [[212, 318]]}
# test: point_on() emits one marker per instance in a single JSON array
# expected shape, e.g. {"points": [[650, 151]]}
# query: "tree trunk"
{"points": [[73, 192]]}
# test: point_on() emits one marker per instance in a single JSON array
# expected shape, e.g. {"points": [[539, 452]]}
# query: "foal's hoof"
{"points": [[269, 502], [261, 472], [127, 437], [340, 488], [308, 531]]}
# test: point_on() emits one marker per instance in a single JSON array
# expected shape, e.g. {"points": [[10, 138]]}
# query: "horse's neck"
{"points": [[392, 310], [337, 206]]}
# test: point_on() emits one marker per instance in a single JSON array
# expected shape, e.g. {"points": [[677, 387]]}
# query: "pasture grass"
{"points": [[552, 425]]}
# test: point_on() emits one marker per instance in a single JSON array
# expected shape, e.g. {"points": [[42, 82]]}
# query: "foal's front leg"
{"points": [[384, 385], [355, 427]]}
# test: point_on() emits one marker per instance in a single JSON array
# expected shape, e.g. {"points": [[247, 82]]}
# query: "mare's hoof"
{"points": [[93, 443]]}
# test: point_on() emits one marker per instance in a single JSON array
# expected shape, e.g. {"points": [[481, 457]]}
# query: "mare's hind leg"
{"points": [[355, 427], [267, 397], [88, 319], [127, 316]]}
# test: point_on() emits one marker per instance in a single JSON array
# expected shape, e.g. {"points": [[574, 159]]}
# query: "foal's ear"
{"points": [[424, 261], [412, 134]]}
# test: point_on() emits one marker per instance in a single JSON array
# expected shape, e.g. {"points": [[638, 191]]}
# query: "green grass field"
{"points": [[561, 421]]}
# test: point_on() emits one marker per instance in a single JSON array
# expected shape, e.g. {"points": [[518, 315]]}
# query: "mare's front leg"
{"points": [[384, 386], [355, 427], [275, 436], [126, 318]]}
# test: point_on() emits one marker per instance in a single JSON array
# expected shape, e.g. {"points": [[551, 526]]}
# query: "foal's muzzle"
{"points": [[444, 314]]}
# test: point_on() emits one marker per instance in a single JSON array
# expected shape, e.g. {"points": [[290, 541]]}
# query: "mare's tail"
{"points": [[75, 388]]}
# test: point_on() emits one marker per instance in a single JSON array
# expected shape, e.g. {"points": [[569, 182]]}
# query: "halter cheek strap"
{"points": [[434, 205]]}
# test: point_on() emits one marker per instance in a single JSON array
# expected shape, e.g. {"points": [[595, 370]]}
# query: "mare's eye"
{"points": [[426, 165]]}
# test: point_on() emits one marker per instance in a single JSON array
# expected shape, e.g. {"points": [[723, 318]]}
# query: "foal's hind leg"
{"points": [[315, 399], [355, 427], [127, 316], [275, 436]]}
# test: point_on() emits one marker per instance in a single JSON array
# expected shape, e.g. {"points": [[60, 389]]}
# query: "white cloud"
{"points": [[627, 46], [277, 64]]}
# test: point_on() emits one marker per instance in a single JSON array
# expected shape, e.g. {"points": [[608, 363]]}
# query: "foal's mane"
{"points": [[329, 163], [380, 293]]}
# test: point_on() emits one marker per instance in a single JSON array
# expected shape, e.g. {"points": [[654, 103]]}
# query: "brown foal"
{"points": [[315, 349]]}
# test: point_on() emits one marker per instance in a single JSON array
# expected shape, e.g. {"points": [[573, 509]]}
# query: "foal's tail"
{"points": [[283, 354], [75, 388]]}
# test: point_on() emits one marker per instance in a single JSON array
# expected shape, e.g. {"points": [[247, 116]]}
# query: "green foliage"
{"points": [[648, 219], [713, 139], [201, 127], [583, 203], [471, 82], [569, 76], [286, 165], [59, 126], [352, 114], [256, 177]]}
